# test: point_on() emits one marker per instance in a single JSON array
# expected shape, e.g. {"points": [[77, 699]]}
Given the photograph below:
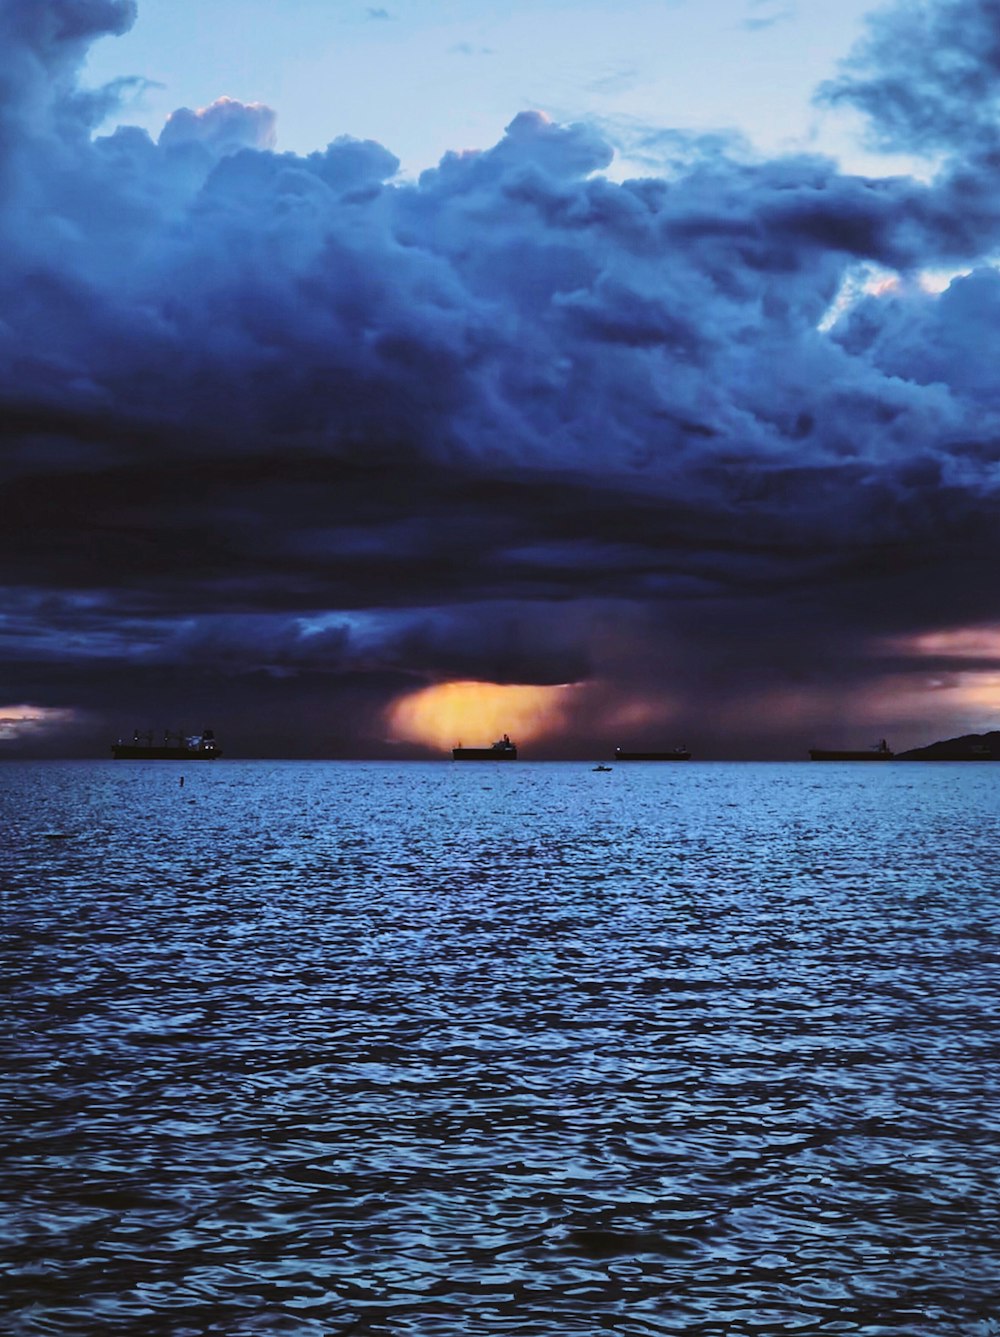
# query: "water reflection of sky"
{"points": [[416, 1049]]}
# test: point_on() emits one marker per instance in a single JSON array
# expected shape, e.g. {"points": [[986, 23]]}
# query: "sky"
{"points": [[378, 378], [424, 79]]}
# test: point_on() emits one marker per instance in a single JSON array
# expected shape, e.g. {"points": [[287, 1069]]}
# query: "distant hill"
{"points": [[970, 747]]}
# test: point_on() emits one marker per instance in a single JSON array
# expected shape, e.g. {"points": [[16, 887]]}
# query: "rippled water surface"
{"points": [[329, 1049]]}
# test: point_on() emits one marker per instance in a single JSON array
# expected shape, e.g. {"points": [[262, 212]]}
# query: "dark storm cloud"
{"points": [[927, 76], [270, 416]]}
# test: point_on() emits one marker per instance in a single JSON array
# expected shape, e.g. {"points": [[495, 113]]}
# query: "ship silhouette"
{"points": [[175, 747]]}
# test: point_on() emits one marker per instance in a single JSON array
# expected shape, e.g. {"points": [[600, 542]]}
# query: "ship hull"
{"points": [[484, 754], [860, 754], [134, 752], [651, 756]]}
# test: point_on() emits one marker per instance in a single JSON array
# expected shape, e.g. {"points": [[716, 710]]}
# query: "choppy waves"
{"points": [[419, 1050]]}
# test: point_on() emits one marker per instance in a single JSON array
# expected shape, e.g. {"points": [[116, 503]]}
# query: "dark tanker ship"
{"points": [[175, 747], [502, 750]]}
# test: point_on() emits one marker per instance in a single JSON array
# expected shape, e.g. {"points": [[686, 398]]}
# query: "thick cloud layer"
{"points": [[928, 76], [283, 436]]}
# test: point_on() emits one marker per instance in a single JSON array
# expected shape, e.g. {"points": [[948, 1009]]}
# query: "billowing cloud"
{"points": [[927, 75], [285, 439], [224, 127]]}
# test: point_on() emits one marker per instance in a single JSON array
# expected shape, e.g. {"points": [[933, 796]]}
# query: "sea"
{"points": [[425, 1049]]}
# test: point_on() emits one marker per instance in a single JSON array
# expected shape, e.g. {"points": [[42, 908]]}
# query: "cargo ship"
{"points": [[880, 751], [675, 754], [175, 747], [502, 750]]}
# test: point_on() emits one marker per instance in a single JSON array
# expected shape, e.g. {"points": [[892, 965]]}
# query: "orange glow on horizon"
{"points": [[956, 643], [980, 691], [929, 708], [22, 721], [971, 696], [477, 713]]}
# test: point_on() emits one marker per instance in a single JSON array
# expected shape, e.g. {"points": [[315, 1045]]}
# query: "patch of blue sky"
{"points": [[425, 79]]}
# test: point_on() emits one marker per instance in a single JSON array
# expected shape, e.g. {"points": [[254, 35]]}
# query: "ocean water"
{"points": [[323, 1049]]}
